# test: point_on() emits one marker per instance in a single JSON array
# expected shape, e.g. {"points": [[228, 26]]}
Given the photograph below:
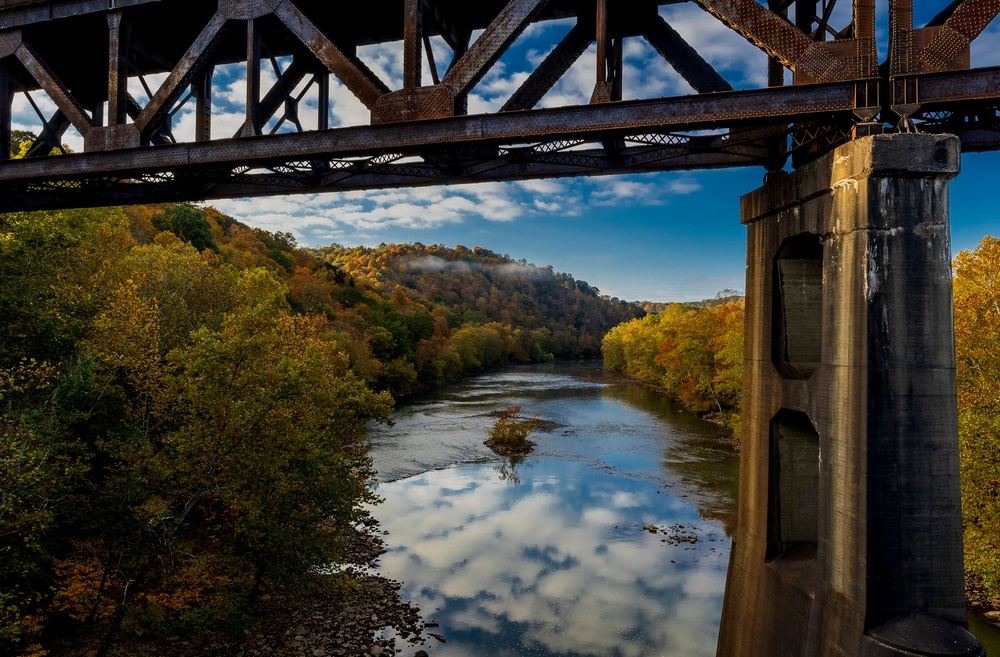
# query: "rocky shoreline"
{"points": [[354, 612], [979, 602]]}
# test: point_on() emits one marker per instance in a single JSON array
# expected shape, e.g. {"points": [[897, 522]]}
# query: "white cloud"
{"points": [[374, 214], [684, 185], [498, 556], [627, 191]]}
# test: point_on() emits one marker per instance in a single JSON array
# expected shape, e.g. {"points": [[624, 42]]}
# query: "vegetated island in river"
{"points": [[509, 433], [185, 398]]}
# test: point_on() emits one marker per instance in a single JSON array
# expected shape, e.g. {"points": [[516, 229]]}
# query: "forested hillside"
{"points": [[183, 401], [411, 316], [696, 352], [560, 316]]}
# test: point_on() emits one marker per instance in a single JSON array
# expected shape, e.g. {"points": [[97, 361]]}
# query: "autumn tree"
{"points": [[170, 426], [977, 352], [694, 351]]}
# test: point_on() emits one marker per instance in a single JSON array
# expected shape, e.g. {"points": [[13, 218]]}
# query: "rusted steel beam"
{"points": [[901, 59], [201, 88], [252, 123], [322, 100], [601, 94], [763, 28], [91, 192], [30, 13], [357, 77], [679, 54], [951, 40], [50, 136], [805, 13], [979, 141], [593, 163], [811, 61], [188, 66], [117, 73], [5, 110], [955, 87], [687, 112], [59, 94], [280, 91], [548, 72], [412, 42], [942, 45], [615, 65], [431, 64], [414, 103], [491, 44]]}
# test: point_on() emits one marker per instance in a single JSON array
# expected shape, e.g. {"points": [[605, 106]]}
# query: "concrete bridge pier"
{"points": [[849, 539]]}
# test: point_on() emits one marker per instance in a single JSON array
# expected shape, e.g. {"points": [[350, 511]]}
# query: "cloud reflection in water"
{"points": [[553, 561]]}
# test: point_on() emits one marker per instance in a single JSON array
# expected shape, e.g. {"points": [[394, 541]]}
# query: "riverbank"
{"points": [[979, 601], [342, 615]]}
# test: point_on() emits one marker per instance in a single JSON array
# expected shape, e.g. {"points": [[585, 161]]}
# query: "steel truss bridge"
{"points": [[826, 85]]}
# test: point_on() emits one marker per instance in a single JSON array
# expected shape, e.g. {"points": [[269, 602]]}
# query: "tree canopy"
{"points": [[184, 400]]}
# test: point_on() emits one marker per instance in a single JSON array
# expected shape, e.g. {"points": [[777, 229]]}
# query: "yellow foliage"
{"points": [[694, 352], [81, 584], [977, 355]]}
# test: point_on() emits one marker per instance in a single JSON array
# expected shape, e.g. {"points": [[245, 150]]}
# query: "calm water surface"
{"points": [[549, 556]]}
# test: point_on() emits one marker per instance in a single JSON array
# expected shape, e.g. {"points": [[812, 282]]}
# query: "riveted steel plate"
{"points": [[416, 104]]}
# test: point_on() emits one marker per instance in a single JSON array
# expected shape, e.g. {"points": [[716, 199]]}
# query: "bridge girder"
{"points": [[422, 133]]}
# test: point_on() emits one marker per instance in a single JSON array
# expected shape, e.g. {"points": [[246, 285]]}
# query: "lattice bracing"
{"points": [[138, 71]]}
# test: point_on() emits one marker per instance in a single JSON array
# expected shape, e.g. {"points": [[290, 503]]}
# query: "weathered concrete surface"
{"points": [[876, 568]]}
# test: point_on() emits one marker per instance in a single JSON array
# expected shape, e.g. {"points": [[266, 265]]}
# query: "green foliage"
{"points": [[509, 434], [187, 223]]}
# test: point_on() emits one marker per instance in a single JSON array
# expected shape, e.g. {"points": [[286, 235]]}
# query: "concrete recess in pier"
{"points": [[793, 486], [798, 306]]}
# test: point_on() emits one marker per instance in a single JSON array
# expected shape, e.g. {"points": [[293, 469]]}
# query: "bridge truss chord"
{"points": [[88, 58]]}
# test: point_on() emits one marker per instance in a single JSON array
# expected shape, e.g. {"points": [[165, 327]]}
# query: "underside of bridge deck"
{"points": [[119, 74]]}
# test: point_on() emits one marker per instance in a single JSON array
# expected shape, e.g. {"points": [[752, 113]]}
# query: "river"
{"points": [[610, 539]]}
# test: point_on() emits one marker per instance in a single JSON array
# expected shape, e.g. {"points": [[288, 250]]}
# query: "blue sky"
{"points": [[658, 237]]}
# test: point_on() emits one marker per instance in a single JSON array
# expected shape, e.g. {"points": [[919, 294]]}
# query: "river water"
{"points": [[610, 539]]}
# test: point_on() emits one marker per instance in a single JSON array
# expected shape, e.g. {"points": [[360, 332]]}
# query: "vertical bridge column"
{"points": [[849, 539]]}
